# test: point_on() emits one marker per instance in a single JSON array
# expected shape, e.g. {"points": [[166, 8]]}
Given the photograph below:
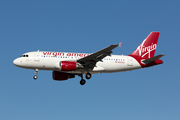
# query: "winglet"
{"points": [[120, 44]]}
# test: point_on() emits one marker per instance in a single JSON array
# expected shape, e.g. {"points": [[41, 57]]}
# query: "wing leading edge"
{"points": [[99, 55]]}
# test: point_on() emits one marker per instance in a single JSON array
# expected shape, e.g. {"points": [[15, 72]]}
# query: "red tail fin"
{"points": [[148, 47]]}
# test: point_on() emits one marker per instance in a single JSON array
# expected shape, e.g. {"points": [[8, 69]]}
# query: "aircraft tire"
{"points": [[88, 75], [35, 77], [82, 82]]}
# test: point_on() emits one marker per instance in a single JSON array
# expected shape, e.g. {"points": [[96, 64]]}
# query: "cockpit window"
{"points": [[24, 55]]}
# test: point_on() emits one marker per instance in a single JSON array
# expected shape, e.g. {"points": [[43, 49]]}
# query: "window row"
{"points": [[81, 57]]}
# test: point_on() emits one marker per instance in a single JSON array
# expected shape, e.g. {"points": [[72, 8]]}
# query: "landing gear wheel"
{"points": [[36, 72], [88, 76], [82, 82], [35, 77]]}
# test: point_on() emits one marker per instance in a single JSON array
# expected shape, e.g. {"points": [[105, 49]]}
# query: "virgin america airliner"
{"points": [[68, 65]]}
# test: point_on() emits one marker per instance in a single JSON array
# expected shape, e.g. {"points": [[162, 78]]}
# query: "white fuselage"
{"points": [[50, 61]]}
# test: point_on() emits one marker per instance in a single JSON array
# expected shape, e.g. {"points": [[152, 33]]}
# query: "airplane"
{"points": [[68, 65]]}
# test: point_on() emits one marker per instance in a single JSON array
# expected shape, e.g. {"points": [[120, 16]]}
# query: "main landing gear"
{"points": [[88, 76], [36, 72], [82, 82]]}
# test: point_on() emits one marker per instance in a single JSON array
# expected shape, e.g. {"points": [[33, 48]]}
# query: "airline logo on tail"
{"points": [[146, 50], [148, 47]]}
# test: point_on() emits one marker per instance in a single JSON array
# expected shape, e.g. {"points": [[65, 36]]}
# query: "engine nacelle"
{"points": [[67, 66], [60, 76]]}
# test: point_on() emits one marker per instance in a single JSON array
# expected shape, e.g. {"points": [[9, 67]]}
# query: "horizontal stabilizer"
{"points": [[153, 59]]}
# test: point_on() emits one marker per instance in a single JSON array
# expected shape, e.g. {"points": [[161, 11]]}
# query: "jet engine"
{"points": [[60, 76], [68, 65]]}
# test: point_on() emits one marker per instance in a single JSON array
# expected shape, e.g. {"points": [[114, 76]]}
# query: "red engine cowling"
{"points": [[60, 76], [68, 65]]}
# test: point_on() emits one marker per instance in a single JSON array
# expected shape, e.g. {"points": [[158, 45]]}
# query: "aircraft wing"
{"points": [[99, 55]]}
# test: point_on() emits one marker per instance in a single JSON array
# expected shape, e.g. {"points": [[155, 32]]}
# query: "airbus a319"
{"points": [[68, 65]]}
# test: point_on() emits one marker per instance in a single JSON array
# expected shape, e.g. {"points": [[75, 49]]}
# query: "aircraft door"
{"points": [[36, 56], [130, 61]]}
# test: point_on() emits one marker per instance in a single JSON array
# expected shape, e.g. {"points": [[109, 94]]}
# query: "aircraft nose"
{"points": [[16, 62]]}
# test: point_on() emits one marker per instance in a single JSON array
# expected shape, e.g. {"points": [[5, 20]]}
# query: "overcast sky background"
{"points": [[88, 26]]}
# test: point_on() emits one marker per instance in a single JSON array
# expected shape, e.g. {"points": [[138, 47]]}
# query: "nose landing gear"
{"points": [[36, 72]]}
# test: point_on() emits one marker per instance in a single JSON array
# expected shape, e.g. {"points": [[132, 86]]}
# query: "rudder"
{"points": [[148, 47]]}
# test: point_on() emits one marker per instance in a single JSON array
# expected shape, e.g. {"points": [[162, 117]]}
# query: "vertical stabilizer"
{"points": [[148, 47]]}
